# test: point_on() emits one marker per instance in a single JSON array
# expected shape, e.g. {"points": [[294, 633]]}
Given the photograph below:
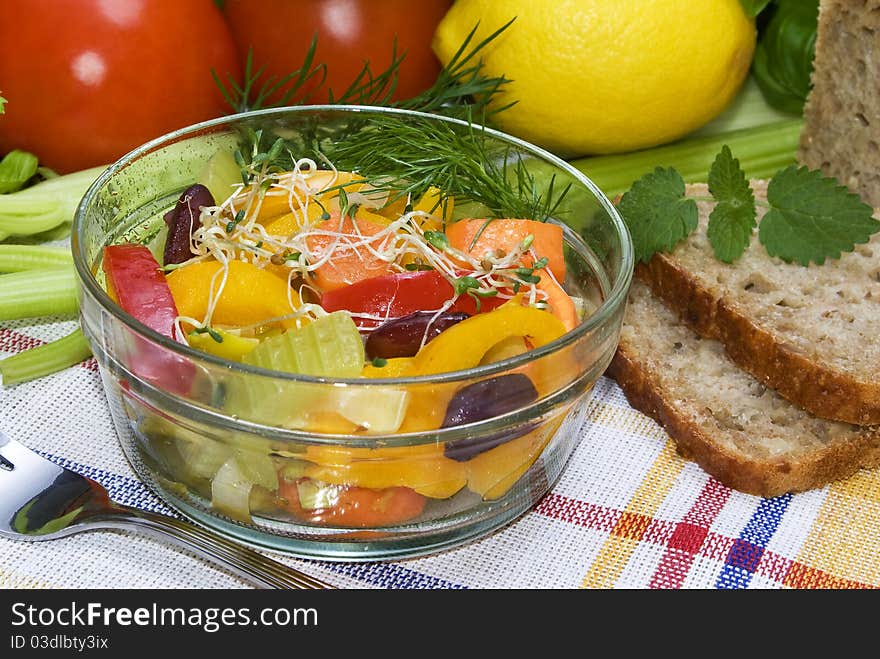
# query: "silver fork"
{"points": [[40, 500]]}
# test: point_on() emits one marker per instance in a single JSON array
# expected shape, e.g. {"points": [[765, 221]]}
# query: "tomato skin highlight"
{"points": [[349, 32], [88, 80], [357, 507]]}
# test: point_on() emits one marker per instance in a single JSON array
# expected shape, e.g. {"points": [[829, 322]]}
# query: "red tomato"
{"points": [[349, 33], [357, 506], [88, 80]]}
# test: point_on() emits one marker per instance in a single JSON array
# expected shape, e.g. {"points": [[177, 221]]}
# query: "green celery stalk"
{"points": [[44, 206], [16, 258], [761, 150], [45, 359], [31, 293]]}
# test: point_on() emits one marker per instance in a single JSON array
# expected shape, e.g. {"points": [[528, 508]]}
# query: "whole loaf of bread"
{"points": [[841, 133]]}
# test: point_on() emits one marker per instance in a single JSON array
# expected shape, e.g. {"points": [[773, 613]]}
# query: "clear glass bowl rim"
{"points": [[616, 296]]}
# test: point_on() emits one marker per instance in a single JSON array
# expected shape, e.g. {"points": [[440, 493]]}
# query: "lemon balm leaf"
{"points": [[657, 213], [732, 220], [812, 218]]}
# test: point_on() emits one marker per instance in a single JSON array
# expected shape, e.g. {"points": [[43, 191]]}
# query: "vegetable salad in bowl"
{"points": [[349, 333]]}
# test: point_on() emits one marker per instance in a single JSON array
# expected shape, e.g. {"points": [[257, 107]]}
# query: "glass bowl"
{"points": [[237, 433]]}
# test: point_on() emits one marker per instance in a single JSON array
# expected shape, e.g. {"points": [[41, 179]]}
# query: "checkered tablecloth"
{"points": [[627, 513]]}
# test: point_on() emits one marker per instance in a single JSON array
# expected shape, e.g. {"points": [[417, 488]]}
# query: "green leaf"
{"points": [[465, 284], [437, 240], [783, 61], [753, 7], [657, 213], [733, 219], [16, 169], [812, 218], [2, 105]]}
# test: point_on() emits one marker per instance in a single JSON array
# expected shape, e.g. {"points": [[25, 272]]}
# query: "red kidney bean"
{"points": [[402, 337], [182, 221], [484, 400]]}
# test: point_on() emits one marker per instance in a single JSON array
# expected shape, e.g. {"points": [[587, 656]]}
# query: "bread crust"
{"points": [[815, 387], [763, 478]]}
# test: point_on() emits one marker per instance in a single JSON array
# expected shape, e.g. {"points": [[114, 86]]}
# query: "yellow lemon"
{"points": [[607, 76]]}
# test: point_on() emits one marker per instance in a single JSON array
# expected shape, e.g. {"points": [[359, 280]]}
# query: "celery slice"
{"points": [[33, 293], [46, 205], [315, 495], [232, 484], [231, 491], [46, 359], [16, 258], [330, 346], [377, 411], [761, 150]]}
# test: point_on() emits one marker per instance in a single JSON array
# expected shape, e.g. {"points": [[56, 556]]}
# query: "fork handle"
{"points": [[243, 561]]}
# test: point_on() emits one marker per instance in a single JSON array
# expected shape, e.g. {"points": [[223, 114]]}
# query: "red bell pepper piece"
{"points": [[137, 284], [401, 294]]}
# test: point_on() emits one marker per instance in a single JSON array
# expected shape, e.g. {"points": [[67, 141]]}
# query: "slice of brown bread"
{"points": [[841, 134], [811, 333], [734, 427]]}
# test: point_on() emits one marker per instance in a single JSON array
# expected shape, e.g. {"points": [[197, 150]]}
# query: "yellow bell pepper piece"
{"points": [[232, 346], [465, 344], [394, 368], [423, 468], [492, 473], [250, 296], [277, 201], [430, 203]]}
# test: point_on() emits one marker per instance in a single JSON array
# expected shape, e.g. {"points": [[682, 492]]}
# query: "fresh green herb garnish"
{"points": [[416, 267], [2, 105], [809, 216], [406, 155], [465, 284], [410, 154], [239, 216], [657, 213], [437, 240], [380, 362], [461, 84], [210, 332], [733, 219], [471, 286], [253, 94]]}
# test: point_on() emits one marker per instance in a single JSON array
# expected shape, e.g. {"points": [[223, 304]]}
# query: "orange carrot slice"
{"points": [[476, 237], [351, 260]]}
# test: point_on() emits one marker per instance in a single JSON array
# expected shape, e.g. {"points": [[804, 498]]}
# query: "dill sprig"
{"points": [[253, 94], [461, 86], [461, 89], [407, 155]]}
